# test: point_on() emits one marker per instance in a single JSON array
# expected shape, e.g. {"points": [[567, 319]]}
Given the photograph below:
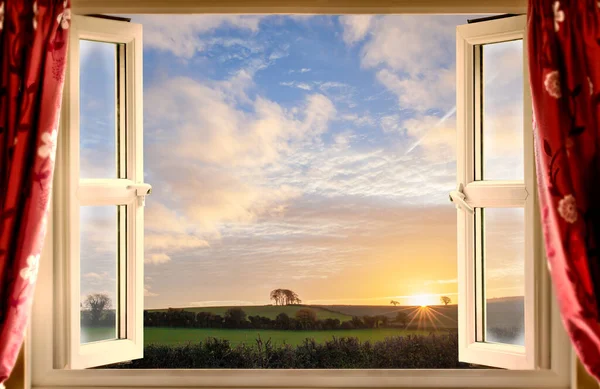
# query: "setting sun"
{"points": [[421, 300]]}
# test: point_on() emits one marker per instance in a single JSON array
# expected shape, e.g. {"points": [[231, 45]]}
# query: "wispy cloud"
{"points": [[157, 258], [216, 303], [148, 293], [183, 35], [449, 281], [96, 276], [355, 27], [295, 84]]}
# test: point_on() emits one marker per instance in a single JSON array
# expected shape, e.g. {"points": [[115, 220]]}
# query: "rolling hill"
{"points": [[270, 311]]}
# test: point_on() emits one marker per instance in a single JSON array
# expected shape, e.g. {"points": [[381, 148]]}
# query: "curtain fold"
{"points": [[564, 69], [33, 50]]}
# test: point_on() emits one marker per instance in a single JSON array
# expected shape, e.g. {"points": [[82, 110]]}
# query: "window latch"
{"points": [[458, 198], [141, 191]]}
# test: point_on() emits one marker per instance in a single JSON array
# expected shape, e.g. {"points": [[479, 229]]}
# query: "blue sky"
{"points": [[308, 152]]}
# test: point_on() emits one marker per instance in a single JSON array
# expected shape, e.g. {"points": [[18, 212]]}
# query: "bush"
{"points": [[399, 352]]}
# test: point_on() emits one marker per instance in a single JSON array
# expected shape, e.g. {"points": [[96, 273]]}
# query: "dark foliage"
{"points": [[235, 318], [399, 352]]}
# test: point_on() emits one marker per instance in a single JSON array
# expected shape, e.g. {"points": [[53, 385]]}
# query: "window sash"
{"points": [[93, 192], [481, 194]]}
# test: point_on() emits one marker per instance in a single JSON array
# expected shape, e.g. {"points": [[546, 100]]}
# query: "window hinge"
{"points": [[141, 191], [458, 198]]}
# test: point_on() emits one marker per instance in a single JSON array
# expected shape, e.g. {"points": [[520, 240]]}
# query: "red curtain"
{"points": [[33, 44], [564, 68]]}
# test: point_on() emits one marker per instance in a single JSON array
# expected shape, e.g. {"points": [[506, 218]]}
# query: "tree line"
{"points": [[236, 318]]}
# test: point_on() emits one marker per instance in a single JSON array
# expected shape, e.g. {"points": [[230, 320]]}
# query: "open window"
{"points": [[496, 199], [100, 213], [95, 237]]}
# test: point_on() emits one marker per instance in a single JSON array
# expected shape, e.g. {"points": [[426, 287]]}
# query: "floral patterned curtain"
{"points": [[564, 68], [33, 44]]}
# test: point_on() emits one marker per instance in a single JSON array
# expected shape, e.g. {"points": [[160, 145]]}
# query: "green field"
{"points": [[270, 311], [172, 336], [502, 313]]}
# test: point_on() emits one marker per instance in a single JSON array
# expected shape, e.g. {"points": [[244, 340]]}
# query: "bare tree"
{"points": [[394, 303], [97, 304], [445, 300]]}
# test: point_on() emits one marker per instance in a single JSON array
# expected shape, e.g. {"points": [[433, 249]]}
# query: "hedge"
{"points": [[434, 351]]}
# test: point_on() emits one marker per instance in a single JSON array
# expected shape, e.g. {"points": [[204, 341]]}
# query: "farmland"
{"points": [[169, 336], [308, 336], [503, 314]]}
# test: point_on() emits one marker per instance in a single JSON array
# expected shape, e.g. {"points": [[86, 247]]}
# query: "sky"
{"points": [[312, 153]]}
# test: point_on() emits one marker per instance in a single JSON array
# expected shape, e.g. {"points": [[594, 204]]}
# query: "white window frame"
{"points": [[46, 353], [71, 193], [481, 194]]}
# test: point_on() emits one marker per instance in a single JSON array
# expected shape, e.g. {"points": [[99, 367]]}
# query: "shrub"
{"points": [[399, 352]]}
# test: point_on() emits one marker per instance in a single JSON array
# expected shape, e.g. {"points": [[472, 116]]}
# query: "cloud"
{"points": [[355, 27], [171, 242], [434, 137], [324, 86], [294, 84], [302, 70], [358, 120], [227, 303], [428, 91], [218, 177], [182, 35], [210, 128], [96, 276], [159, 258], [412, 45], [148, 293], [449, 281]]}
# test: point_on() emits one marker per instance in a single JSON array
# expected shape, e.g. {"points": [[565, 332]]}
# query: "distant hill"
{"points": [[434, 316], [270, 311], [505, 316]]}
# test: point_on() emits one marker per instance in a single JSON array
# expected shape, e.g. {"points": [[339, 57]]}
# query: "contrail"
{"points": [[448, 114], [439, 122]]}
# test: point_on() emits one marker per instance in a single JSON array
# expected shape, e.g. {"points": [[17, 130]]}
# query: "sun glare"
{"points": [[420, 300]]}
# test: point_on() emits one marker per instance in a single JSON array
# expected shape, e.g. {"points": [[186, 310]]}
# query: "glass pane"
{"points": [[504, 245], [98, 110], [502, 119], [99, 261]]}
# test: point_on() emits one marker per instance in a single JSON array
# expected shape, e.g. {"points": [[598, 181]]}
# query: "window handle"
{"points": [[458, 198], [141, 191]]}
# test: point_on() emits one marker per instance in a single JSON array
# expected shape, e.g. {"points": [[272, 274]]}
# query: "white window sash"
{"points": [[492, 194], [95, 192]]}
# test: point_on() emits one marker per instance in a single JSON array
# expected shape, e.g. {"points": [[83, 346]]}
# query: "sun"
{"points": [[421, 300]]}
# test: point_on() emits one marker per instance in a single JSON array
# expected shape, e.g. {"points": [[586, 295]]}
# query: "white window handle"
{"points": [[458, 198], [141, 191]]}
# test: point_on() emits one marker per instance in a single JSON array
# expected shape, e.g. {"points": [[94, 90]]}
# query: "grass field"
{"points": [[502, 313], [270, 311], [174, 336]]}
